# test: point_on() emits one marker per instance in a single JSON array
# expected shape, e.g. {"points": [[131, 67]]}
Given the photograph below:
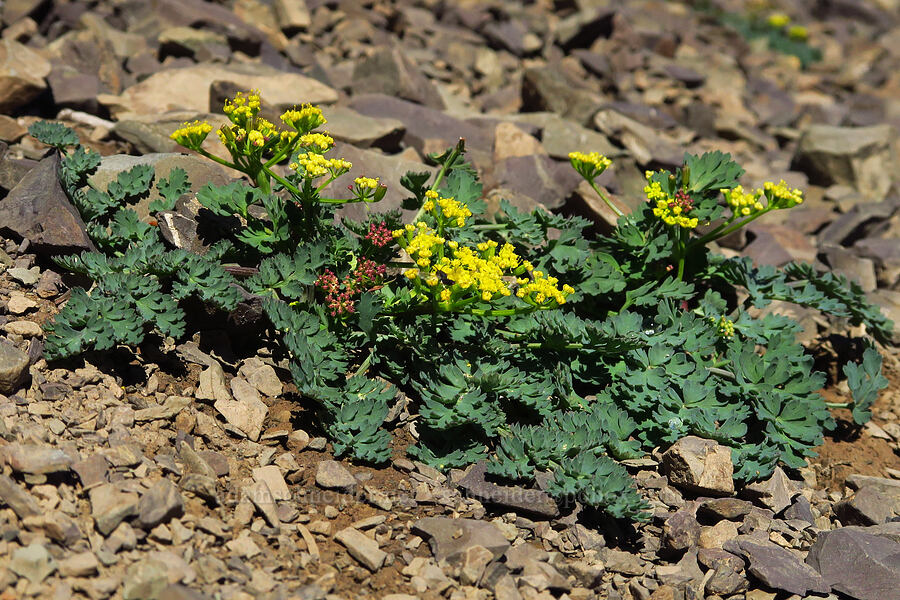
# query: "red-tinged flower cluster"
{"points": [[379, 235], [340, 296]]}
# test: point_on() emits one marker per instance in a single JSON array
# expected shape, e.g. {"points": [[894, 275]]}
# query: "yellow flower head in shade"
{"points": [[191, 135], [304, 119], [672, 211], [724, 327], [781, 196], [589, 165]]}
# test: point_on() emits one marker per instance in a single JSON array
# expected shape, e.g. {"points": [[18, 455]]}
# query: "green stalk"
{"points": [[718, 233], [440, 176], [606, 199], [294, 191]]}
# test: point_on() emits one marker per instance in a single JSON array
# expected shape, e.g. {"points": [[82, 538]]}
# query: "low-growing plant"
{"points": [[521, 340]]}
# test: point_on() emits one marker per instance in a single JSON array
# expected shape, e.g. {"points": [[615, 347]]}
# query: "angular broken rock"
{"points": [[110, 506], [160, 504], [452, 537], [13, 368], [778, 568], [775, 493], [855, 156], [22, 73], [362, 548], [32, 562], [246, 413], [332, 475], [20, 501], [38, 210], [857, 563], [34, 459], [700, 466]]}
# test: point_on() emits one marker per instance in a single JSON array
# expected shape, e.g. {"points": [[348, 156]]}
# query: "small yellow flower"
{"points": [[589, 165], [304, 119], [191, 135], [798, 32], [778, 20], [366, 182], [781, 196]]}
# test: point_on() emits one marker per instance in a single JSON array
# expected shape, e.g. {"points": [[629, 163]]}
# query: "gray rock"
{"points": [[73, 89], [866, 507], [542, 180], [362, 548], [56, 525], [701, 466], [774, 493], [25, 276], [681, 531], [264, 500], [92, 471], [159, 504], [857, 223], [646, 144], [38, 210], [800, 510], [512, 35], [724, 508], [778, 568], [82, 564], [451, 537], [427, 129], [32, 562], [247, 412], [20, 501], [332, 475], [728, 571], [34, 459], [856, 156], [857, 563], [347, 125], [534, 502], [13, 368], [847, 263], [176, 591], [110, 506], [548, 88], [885, 253], [261, 376], [388, 71], [202, 46], [145, 580], [22, 71], [560, 136], [626, 563]]}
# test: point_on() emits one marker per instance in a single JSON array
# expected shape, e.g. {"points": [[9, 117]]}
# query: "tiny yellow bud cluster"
{"points": [[366, 182], [741, 203], [724, 327], [589, 165], [798, 33], [191, 135], [317, 142], [447, 212]]}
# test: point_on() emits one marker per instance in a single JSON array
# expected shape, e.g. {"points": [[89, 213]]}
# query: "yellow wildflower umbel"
{"points": [[367, 189], [589, 165], [778, 20], [317, 142], [191, 135], [304, 119], [672, 211], [455, 276], [313, 166], [798, 33], [780, 196], [743, 204]]}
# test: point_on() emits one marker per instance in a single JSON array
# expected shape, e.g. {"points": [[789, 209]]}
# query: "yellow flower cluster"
{"points": [[191, 135], [589, 165], [304, 119], [798, 33], [451, 272], [315, 165], [318, 141], [778, 20], [672, 211], [780, 195], [241, 110], [451, 213], [366, 182], [724, 327], [743, 204]]}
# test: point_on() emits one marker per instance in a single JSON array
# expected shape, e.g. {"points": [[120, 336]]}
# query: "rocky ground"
{"points": [[191, 470]]}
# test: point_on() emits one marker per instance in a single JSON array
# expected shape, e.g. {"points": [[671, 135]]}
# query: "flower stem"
{"points": [[606, 199]]}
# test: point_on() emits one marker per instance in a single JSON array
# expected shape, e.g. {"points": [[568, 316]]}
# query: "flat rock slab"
{"points": [[778, 568], [858, 563], [34, 459], [452, 537], [188, 89], [332, 475], [362, 548], [700, 466]]}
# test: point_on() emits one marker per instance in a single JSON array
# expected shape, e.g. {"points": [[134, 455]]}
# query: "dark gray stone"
{"points": [[452, 537], [681, 531], [517, 498], [857, 563], [159, 504], [13, 368], [778, 568], [38, 210], [540, 178], [866, 507]]}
